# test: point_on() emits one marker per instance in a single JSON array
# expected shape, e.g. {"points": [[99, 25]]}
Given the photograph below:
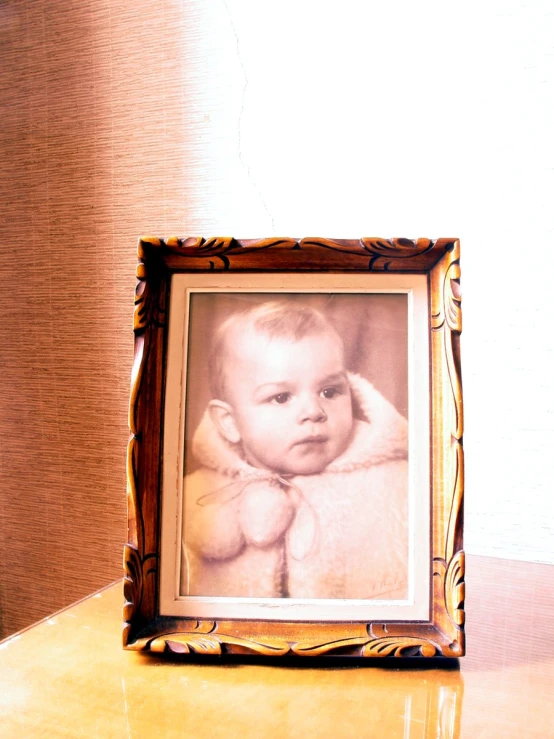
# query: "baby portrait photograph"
{"points": [[295, 474], [296, 457]]}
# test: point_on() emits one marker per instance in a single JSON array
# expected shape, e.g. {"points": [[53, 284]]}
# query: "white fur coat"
{"points": [[341, 533]]}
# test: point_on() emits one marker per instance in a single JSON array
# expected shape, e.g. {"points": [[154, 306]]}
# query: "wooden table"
{"points": [[68, 677]]}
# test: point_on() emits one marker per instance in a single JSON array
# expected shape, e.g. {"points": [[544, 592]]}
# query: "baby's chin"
{"points": [[304, 467]]}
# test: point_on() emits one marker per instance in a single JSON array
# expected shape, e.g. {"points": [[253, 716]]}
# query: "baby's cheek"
{"points": [[265, 513]]}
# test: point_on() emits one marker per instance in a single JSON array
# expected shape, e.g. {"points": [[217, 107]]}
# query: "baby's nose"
{"points": [[312, 410]]}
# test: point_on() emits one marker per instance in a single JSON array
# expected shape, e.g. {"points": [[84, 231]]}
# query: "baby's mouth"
{"points": [[309, 440]]}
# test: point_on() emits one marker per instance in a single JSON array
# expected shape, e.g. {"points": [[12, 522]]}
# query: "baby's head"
{"points": [[280, 388]]}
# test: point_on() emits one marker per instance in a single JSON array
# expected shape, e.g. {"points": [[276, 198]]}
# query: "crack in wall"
{"points": [[242, 159]]}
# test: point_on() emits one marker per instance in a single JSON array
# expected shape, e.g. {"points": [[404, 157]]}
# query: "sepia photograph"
{"points": [[295, 460], [296, 449]]}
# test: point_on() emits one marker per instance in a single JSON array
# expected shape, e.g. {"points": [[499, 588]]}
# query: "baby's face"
{"points": [[290, 401]]}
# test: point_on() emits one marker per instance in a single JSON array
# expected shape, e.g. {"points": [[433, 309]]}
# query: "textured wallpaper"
{"points": [[230, 117], [92, 155]]}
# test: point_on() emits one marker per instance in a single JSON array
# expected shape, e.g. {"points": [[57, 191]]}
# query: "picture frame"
{"points": [[365, 573]]}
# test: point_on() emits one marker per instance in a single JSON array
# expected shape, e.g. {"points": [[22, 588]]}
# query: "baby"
{"points": [[303, 487]]}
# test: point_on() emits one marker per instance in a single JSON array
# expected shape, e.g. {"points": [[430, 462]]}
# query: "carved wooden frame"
{"points": [[144, 629]]}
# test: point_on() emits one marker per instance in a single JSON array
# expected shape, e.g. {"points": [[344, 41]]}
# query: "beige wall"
{"points": [[92, 155], [296, 117], [428, 118]]}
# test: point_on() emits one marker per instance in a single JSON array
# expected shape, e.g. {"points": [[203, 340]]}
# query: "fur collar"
{"points": [[382, 436]]}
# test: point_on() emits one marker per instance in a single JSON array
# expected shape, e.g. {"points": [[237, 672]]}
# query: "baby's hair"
{"points": [[282, 319]]}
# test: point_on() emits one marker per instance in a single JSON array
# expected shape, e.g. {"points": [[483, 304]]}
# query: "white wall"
{"points": [[403, 119]]}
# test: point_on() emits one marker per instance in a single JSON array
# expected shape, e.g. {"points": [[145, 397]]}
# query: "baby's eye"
{"points": [[281, 398], [330, 392]]}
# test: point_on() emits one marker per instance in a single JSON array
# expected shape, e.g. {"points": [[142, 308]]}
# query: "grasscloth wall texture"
{"points": [[284, 117], [92, 155]]}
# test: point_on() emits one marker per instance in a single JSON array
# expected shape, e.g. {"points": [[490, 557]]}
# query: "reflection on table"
{"points": [[68, 676]]}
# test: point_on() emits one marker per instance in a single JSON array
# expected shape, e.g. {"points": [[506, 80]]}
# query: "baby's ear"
{"points": [[223, 418]]}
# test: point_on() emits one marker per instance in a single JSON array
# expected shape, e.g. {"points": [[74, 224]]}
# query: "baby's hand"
{"points": [[265, 513]]}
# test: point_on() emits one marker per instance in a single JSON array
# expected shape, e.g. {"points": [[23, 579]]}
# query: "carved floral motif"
{"points": [[287, 254]]}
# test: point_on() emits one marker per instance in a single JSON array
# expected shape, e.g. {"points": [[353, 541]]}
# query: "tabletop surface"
{"points": [[69, 677]]}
